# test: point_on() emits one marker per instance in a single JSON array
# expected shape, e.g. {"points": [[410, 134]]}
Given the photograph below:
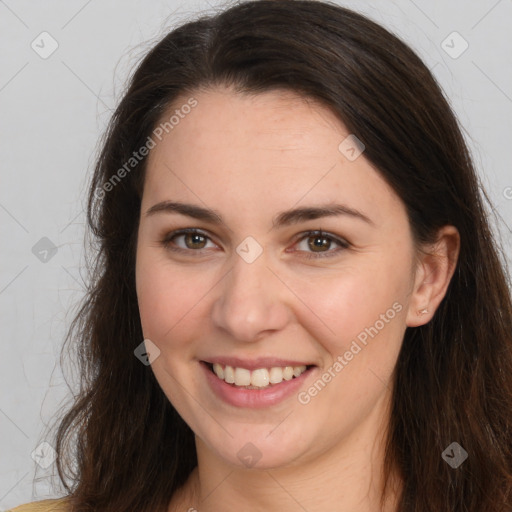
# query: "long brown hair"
{"points": [[122, 444]]}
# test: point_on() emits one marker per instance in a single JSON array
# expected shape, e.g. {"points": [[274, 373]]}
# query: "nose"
{"points": [[253, 301]]}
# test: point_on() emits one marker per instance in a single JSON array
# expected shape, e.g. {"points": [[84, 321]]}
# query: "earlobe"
{"points": [[435, 269]]}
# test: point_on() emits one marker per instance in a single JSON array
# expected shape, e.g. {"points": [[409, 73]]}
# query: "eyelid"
{"points": [[168, 237], [342, 242]]}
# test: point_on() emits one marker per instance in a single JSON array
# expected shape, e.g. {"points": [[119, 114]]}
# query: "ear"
{"points": [[434, 270]]}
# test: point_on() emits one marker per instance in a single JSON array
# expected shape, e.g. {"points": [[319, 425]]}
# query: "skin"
{"points": [[250, 157]]}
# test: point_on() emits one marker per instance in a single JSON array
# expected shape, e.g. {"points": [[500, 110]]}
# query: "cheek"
{"points": [[362, 316], [166, 297], [346, 302], [359, 311]]}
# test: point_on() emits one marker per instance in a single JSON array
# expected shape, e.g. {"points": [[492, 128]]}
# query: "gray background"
{"points": [[53, 111]]}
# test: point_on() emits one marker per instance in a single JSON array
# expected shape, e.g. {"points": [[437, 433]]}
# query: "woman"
{"points": [[298, 303]]}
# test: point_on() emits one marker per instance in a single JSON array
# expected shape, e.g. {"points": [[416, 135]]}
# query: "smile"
{"points": [[256, 379], [288, 380]]}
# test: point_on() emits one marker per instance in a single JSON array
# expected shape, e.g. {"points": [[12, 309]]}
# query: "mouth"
{"points": [[258, 378]]}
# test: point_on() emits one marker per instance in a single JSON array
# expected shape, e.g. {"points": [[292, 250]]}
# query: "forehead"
{"points": [[258, 150], [277, 120]]}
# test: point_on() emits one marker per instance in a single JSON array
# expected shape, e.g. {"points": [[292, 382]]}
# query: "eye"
{"points": [[318, 242], [193, 239]]}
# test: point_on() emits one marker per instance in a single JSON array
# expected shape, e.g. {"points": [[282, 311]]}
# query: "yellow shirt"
{"points": [[57, 505]]}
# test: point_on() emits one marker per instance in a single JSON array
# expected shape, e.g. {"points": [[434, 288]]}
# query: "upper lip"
{"points": [[254, 364]]}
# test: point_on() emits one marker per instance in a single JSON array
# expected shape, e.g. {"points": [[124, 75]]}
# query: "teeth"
{"points": [[242, 377], [229, 375], [260, 378], [288, 373]]}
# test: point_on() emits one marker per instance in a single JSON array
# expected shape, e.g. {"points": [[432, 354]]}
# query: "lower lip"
{"points": [[254, 398]]}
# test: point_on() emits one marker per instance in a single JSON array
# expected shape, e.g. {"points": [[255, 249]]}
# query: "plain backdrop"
{"points": [[62, 70]]}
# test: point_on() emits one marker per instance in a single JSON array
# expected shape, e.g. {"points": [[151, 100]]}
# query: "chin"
{"points": [[258, 448]]}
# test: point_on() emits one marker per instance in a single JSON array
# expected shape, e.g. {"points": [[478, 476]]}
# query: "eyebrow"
{"points": [[284, 218]]}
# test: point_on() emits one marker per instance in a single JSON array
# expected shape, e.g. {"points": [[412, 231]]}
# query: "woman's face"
{"points": [[253, 290]]}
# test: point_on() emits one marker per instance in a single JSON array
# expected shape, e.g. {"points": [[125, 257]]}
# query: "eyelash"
{"points": [[167, 240]]}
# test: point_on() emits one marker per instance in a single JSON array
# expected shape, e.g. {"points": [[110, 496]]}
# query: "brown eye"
{"points": [[193, 240], [319, 244]]}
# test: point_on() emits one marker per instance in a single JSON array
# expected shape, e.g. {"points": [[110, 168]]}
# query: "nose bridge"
{"points": [[251, 300]]}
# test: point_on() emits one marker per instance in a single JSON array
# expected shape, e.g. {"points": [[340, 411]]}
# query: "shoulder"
{"points": [[55, 505]]}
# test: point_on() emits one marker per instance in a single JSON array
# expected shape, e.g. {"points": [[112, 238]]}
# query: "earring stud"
{"points": [[423, 311]]}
